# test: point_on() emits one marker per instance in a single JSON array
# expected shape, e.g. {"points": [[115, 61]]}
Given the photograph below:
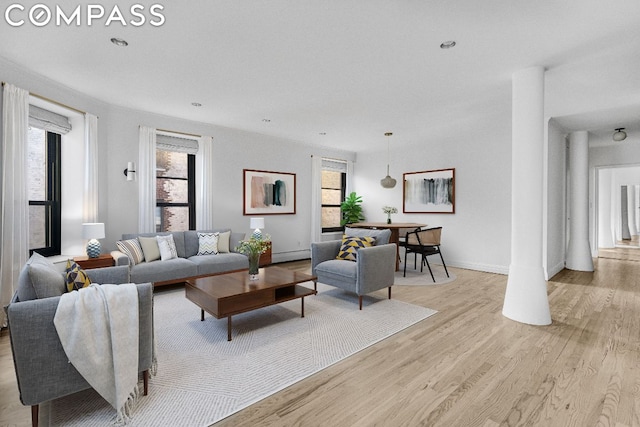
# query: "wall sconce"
{"points": [[93, 231], [130, 171], [256, 224]]}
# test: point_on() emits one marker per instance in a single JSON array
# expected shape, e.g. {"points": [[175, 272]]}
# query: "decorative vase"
{"points": [[93, 248], [254, 261], [389, 219]]}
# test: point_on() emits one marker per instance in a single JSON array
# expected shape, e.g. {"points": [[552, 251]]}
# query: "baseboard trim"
{"points": [[487, 268], [291, 256], [555, 270]]}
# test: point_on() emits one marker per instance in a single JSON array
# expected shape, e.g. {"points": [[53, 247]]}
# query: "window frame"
{"points": [[53, 215], [191, 193], [343, 185]]}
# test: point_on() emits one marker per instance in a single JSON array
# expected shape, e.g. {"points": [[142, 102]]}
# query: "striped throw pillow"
{"points": [[208, 243], [132, 249]]}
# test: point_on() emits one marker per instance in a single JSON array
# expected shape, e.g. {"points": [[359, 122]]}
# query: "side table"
{"points": [[103, 260]]}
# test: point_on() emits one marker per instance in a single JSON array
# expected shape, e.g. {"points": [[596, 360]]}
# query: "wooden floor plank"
{"points": [[468, 365]]}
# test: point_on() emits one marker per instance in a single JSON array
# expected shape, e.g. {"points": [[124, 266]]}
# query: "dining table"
{"points": [[395, 228]]}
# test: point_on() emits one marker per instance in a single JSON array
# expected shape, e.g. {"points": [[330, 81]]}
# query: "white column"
{"points": [[631, 203], [526, 298], [605, 197], [579, 250]]}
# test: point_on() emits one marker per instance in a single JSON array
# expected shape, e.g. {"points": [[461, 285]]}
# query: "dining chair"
{"points": [[424, 242]]}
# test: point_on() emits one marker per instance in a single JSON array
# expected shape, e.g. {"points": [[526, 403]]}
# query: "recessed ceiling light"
{"points": [[448, 44], [196, 104], [266, 120], [119, 42]]}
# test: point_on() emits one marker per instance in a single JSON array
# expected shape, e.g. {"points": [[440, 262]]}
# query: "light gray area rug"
{"points": [[417, 278], [203, 378]]}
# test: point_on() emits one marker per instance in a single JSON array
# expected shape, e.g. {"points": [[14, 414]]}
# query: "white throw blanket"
{"points": [[98, 329]]}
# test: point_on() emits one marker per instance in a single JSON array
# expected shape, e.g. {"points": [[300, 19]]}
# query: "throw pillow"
{"points": [[351, 244], [76, 277], [39, 279], [167, 247], [132, 249], [150, 248], [223, 242], [208, 243]]}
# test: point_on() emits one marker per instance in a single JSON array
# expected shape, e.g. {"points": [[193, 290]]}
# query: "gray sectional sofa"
{"points": [[188, 264]]}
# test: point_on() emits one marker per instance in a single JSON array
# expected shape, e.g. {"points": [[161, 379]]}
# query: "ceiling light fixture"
{"points": [[119, 42], [619, 134], [266, 120], [196, 104], [448, 44], [387, 181]]}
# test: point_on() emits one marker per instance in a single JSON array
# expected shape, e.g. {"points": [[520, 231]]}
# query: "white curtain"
{"points": [[146, 171], [349, 186], [14, 231], [316, 198], [90, 202], [204, 184]]}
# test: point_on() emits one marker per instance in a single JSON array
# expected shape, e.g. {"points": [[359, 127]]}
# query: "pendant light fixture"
{"points": [[387, 181], [619, 134]]}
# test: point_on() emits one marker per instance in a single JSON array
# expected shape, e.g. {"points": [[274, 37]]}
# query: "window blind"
{"points": [[48, 120], [174, 143], [334, 165]]}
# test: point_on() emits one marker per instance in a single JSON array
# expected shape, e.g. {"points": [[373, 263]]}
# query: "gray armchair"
{"points": [[374, 268], [42, 367]]}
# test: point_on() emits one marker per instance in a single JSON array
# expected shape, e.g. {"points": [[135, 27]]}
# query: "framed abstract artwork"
{"points": [[429, 191], [268, 193]]}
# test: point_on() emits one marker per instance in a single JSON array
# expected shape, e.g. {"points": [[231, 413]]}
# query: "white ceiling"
{"points": [[352, 69]]}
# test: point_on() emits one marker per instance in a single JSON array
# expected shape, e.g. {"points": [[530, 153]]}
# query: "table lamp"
{"points": [[93, 231], [256, 224]]}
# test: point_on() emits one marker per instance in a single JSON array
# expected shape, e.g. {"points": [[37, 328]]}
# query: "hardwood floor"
{"points": [[468, 365]]}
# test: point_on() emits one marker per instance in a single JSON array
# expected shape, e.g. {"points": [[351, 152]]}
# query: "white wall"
{"points": [[234, 151], [623, 158], [554, 244], [478, 235]]}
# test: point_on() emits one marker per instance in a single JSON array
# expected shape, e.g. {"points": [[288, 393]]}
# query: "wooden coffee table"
{"points": [[226, 294]]}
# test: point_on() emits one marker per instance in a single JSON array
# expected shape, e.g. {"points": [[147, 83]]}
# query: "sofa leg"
{"points": [[34, 415], [389, 292], [145, 382], [360, 301]]}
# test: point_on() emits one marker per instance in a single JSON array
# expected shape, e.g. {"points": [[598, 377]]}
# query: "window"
{"points": [[44, 188], [334, 180], [175, 191]]}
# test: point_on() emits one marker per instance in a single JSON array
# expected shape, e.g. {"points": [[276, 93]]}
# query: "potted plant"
{"points": [[253, 248], [351, 209]]}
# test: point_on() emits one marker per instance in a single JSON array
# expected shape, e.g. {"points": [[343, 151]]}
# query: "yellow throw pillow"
{"points": [[76, 278], [351, 244]]}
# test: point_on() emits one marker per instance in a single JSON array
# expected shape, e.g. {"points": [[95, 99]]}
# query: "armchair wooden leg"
{"points": [[145, 382], [360, 301], [34, 415], [389, 292], [315, 285]]}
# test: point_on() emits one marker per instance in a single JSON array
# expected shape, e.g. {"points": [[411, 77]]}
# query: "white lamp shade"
{"points": [[93, 230], [256, 223]]}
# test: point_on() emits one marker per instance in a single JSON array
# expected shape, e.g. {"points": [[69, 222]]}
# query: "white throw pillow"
{"points": [[208, 243], [223, 242], [150, 248], [167, 247]]}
